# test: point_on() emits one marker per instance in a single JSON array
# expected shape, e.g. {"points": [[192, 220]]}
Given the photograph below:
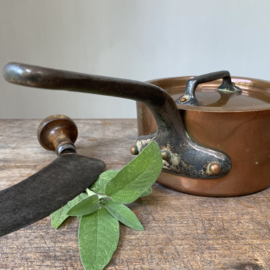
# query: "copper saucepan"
{"points": [[234, 123], [215, 142]]}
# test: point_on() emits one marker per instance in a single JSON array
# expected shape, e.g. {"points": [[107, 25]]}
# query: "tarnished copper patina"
{"points": [[236, 124]]}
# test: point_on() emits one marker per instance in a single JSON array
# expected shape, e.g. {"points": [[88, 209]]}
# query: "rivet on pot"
{"points": [[214, 168], [165, 155], [183, 99], [134, 150]]}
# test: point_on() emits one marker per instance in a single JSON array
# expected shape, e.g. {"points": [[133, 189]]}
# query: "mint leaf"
{"points": [[85, 207], [146, 192], [103, 179], [98, 239], [124, 214], [137, 176], [59, 216]]}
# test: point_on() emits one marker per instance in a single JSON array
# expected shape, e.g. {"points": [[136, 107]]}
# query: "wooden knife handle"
{"points": [[57, 133]]}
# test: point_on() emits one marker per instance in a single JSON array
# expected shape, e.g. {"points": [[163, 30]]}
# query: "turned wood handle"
{"points": [[57, 133]]}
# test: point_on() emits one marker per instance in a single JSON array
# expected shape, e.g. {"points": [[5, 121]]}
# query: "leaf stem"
{"points": [[90, 192], [102, 196]]}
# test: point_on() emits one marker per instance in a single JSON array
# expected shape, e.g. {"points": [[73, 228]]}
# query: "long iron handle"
{"points": [[158, 100], [181, 155]]}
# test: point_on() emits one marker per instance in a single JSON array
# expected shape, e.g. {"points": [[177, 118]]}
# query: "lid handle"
{"points": [[227, 86]]}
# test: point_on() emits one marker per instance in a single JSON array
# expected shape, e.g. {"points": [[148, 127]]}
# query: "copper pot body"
{"points": [[243, 133]]}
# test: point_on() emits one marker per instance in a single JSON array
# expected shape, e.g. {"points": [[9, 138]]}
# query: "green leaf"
{"points": [[124, 214], [59, 216], [98, 239], [137, 176], [85, 207], [77, 199], [103, 179], [146, 192]]}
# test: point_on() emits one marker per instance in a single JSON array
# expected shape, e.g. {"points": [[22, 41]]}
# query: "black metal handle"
{"points": [[227, 86], [158, 100], [183, 156]]}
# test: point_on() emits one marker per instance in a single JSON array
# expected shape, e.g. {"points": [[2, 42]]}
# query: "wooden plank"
{"points": [[181, 231]]}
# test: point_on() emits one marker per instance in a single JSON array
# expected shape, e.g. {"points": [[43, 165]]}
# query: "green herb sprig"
{"points": [[101, 207]]}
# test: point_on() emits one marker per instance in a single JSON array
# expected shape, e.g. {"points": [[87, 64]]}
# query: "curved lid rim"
{"points": [[247, 84]]}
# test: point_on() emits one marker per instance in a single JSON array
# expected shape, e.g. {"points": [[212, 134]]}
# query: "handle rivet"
{"points": [[134, 150], [165, 155], [183, 99], [215, 168]]}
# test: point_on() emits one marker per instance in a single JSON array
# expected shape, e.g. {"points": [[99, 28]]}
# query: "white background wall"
{"points": [[142, 40]]}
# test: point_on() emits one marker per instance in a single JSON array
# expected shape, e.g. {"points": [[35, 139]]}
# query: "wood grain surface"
{"points": [[181, 231]]}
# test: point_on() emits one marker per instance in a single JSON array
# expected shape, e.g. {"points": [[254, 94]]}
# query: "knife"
{"points": [[52, 187]]}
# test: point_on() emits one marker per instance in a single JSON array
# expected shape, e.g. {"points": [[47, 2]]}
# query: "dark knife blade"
{"points": [[46, 191]]}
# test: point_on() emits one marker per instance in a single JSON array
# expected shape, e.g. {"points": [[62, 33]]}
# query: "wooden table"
{"points": [[181, 231]]}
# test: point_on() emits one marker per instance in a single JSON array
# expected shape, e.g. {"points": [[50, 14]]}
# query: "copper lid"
{"points": [[255, 94]]}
